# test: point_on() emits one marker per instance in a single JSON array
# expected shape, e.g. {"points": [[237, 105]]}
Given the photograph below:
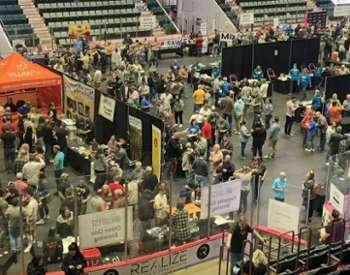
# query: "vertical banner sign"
{"points": [[79, 99], [225, 198], [107, 107], [104, 228], [135, 128], [156, 150], [283, 216]]}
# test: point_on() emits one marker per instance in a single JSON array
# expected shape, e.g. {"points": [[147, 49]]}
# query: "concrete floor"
{"points": [[290, 158]]}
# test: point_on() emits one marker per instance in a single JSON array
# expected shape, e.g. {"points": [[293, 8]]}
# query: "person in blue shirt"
{"points": [[58, 164], [146, 103], [225, 87], [294, 74], [316, 101], [305, 83], [318, 76], [193, 129], [279, 187], [258, 73], [311, 133]]}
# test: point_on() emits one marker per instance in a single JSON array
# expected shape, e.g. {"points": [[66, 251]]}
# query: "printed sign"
{"points": [[246, 18], [79, 30], [338, 200], [283, 216], [148, 22], [107, 107], [171, 44], [78, 99], [165, 262], [135, 128], [104, 228], [226, 37], [224, 198], [156, 150]]}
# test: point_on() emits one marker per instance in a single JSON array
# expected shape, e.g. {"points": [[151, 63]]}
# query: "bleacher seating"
{"points": [[164, 21], [108, 19], [15, 22], [227, 10]]}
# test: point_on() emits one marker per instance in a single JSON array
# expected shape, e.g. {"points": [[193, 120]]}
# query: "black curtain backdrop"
{"points": [[120, 127], [338, 84], [278, 55]]}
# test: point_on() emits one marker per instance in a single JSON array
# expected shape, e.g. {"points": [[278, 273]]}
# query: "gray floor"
{"points": [[291, 158]]}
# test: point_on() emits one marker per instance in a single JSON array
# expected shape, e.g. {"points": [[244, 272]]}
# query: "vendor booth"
{"points": [[23, 80]]}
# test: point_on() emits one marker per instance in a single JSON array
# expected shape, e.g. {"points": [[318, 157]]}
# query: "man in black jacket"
{"points": [[9, 141]]}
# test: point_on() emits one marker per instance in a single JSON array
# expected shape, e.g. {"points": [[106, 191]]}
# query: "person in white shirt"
{"points": [[31, 170], [161, 205], [264, 87], [30, 211], [290, 114], [166, 98]]}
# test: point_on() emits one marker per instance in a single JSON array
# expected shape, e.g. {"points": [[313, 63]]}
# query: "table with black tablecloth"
{"points": [[78, 162], [282, 86]]}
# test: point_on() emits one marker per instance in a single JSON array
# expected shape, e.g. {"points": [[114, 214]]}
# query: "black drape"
{"points": [[338, 84]]}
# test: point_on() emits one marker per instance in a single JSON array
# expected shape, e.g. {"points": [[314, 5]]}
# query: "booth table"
{"points": [[78, 162], [282, 86]]}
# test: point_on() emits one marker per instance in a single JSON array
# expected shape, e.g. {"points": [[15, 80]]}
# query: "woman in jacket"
{"points": [[259, 137]]}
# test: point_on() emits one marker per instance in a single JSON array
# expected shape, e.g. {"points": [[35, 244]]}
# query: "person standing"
{"points": [[311, 133], [235, 241], [308, 187], [245, 175], [305, 83], [179, 109], [238, 109], [9, 142], [198, 98], [259, 172], [279, 187], [226, 105], [294, 74], [290, 114], [201, 171], [61, 134], [268, 110], [58, 163], [13, 217], [274, 136], [244, 137], [322, 127], [259, 137]]}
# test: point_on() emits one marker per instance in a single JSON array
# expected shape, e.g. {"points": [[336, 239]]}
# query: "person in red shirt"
{"points": [[199, 45], [207, 132], [116, 185], [335, 113]]}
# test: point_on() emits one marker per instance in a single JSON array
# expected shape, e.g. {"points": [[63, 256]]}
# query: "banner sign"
{"points": [[135, 129], [156, 150], [165, 262], [148, 22], [104, 228], [79, 30], [246, 18], [283, 216], [171, 44], [78, 99], [224, 198], [107, 107], [339, 200], [226, 37]]}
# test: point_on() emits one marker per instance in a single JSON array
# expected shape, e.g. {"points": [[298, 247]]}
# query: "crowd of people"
{"points": [[199, 151]]}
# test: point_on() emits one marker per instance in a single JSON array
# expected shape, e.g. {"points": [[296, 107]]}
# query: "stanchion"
{"points": [[209, 209], [75, 216], [222, 248], [258, 203], [171, 214], [22, 234], [308, 206], [126, 224]]}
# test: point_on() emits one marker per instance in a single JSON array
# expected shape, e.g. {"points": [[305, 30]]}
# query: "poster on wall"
{"points": [[224, 199], [106, 108], [78, 99], [156, 150], [135, 133], [105, 228]]}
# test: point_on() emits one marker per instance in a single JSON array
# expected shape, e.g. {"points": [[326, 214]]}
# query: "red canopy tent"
{"points": [[21, 79]]}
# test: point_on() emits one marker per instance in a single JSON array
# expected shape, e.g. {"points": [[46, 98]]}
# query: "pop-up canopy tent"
{"points": [[21, 79]]}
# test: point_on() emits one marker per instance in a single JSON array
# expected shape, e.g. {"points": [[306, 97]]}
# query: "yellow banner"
{"points": [[156, 150], [79, 30]]}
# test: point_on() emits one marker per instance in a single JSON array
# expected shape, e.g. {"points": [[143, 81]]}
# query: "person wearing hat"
{"points": [[279, 187]]}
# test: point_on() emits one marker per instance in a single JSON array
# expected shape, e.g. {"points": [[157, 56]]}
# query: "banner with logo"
{"points": [[224, 198], [78, 99], [106, 107], [104, 228], [226, 37], [79, 30], [165, 262], [283, 216], [135, 134], [171, 44], [156, 150]]}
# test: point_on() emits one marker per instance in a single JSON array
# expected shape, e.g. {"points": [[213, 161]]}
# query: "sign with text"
{"points": [[107, 107], [165, 262], [171, 44], [104, 228], [338, 200], [148, 22], [226, 37], [224, 198], [282, 216], [156, 150], [79, 99], [246, 19]]}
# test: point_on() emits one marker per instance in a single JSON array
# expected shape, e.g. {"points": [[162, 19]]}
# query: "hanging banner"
{"points": [[79, 99], [79, 30], [106, 107], [148, 22], [283, 216], [164, 262], [135, 137], [226, 37], [171, 44], [224, 198], [105, 228], [156, 150]]}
